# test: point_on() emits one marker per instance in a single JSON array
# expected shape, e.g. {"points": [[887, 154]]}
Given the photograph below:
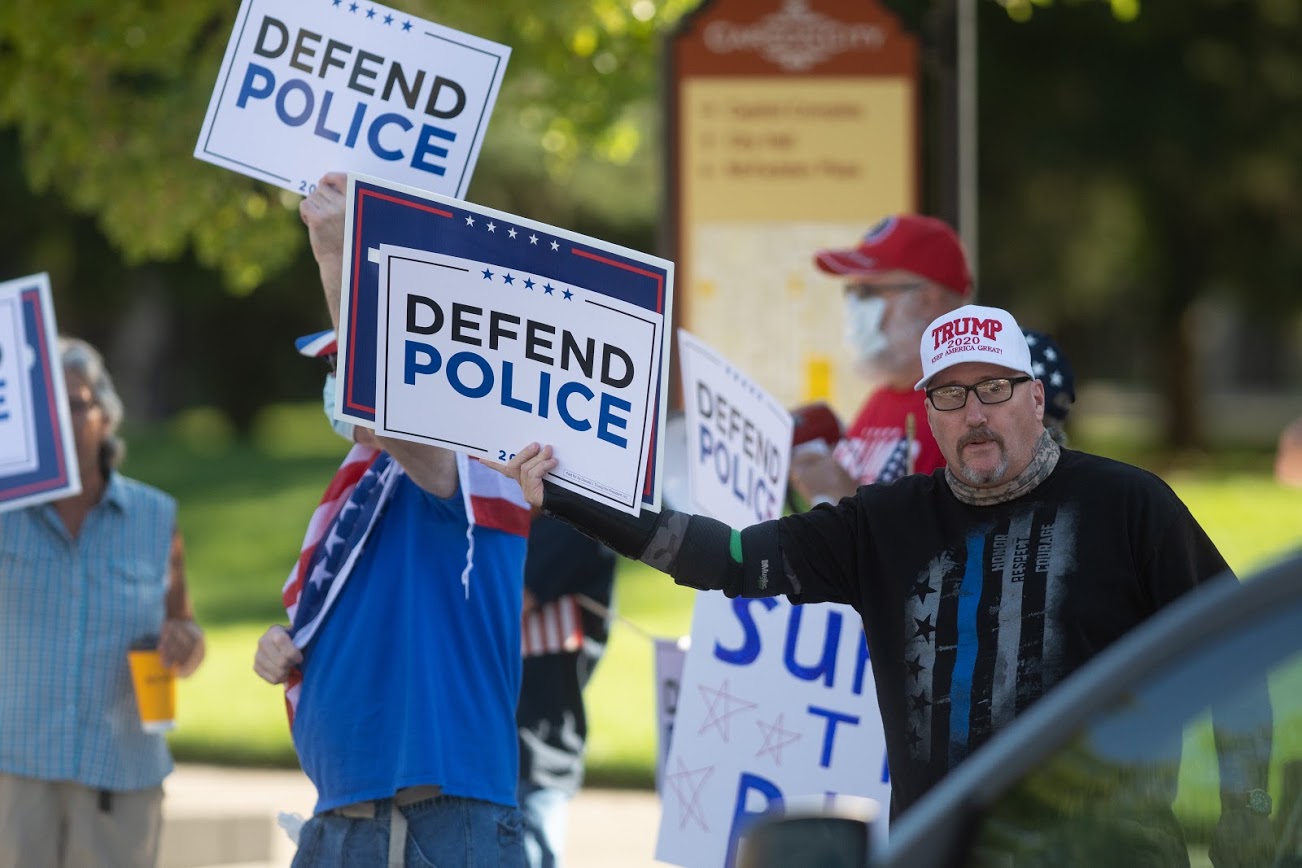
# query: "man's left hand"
{"points": [[1243, 839]]}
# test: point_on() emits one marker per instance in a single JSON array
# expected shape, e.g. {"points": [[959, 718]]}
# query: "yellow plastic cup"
{"points": [[155, 687]]}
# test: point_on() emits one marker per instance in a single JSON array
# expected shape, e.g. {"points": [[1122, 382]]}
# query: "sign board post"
{"points": [[793, 127]]}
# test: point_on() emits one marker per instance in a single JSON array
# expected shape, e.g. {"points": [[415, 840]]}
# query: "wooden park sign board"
{"points": [[792, 127]]}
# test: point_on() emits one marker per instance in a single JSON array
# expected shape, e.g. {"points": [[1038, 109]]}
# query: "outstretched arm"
{"points": [[430, 467], [697, 551]]}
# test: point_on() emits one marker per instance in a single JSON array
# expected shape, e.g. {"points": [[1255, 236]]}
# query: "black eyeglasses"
{"points": [[995, 391]]}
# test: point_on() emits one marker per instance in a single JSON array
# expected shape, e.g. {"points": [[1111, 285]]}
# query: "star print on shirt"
{"points": [[922, 588], [920, 702], [925, 628], [915, 666]]}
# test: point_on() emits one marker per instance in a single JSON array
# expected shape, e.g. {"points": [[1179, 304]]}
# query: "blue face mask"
{"points": [[343, 429]]}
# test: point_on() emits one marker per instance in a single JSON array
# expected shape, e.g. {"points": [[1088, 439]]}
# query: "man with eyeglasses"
{"points": [[907, 270], [980, 585]]}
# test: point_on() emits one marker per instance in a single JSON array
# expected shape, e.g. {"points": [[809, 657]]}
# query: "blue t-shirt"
{"points": [[413, 677]]}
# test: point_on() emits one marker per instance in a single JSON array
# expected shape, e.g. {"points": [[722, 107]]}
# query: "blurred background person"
{"points": [[82, 580], [1053, 369], [568, 585], [1288, 455], [907, 270]]}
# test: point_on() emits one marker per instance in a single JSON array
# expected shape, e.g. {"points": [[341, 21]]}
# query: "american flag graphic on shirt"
{"points": [[553, 628], [982, 640]]}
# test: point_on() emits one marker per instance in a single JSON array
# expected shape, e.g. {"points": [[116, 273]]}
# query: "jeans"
{"points": [[544, 813], [442, 832]]}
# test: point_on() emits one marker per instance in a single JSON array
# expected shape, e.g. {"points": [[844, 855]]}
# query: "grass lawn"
{"points": [[243, 509]]}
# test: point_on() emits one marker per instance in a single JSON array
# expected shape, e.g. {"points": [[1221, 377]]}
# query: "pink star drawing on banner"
{"points": [[776, 737], [686, 785], [723, 705]]}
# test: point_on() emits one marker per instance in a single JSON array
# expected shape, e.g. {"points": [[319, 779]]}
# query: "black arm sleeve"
{"points": [[694, 549]]}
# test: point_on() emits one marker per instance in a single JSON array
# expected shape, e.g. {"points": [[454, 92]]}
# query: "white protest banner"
{"points": [[738, 438], [311, 86], [38, 460], [480, 331], [670, 654], [776, 702]]}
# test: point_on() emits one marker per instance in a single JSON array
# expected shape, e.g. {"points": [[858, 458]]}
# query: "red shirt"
{"points": [[877, 431]]}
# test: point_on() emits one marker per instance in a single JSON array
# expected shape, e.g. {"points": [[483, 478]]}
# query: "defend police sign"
{"points": [[38, 460], [738, 438], [310, 86], [479, 331]]}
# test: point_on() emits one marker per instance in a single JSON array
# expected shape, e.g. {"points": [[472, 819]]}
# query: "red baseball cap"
{"points": [[924, 246]]}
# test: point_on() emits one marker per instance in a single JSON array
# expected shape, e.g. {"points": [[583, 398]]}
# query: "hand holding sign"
{"points": [[528, 467]]}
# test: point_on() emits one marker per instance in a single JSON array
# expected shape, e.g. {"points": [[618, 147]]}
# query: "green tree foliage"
{"points": [[108, 99], [1130, 169]]}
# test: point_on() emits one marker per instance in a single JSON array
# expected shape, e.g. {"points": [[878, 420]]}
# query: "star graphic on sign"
{"points": [[352, 7], [406, 25], [492, 227], [776, 737], [488, 275], [555, 246], [547, 288], [922, 589], [470, 220], [721, 711], [511, 232], [568, 295], [388, 19], [533, 239], [925, 628], [336, 2], [528, 283], [370, 13], [915, 666], [920, 701], [508, 279], [686, 785]]}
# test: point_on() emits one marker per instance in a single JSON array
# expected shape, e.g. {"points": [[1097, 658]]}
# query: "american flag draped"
{"points": [[344, 519]]}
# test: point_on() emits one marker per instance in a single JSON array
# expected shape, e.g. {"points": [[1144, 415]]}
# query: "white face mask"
{"points": [[863, 326], [343, 429]]}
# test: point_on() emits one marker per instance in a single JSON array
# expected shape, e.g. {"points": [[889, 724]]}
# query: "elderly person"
{"points": [[981, 585], [82, 580], [907, 270]]}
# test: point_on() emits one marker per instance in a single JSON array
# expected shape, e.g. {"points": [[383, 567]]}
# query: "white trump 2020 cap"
{"points": [[973, 333]]}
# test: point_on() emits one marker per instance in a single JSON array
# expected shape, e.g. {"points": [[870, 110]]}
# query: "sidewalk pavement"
{"points": [[217, 816]]}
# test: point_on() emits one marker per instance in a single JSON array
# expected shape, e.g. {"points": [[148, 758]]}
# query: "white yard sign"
{"points": [[38, 459], [482, 361], [738, 438], [481, 331], [776, 701], [311, 86]]}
